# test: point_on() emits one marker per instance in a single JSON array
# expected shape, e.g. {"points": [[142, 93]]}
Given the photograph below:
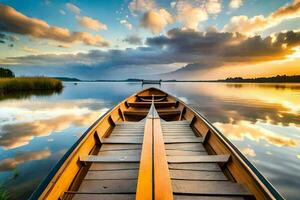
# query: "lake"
{"points": [[262, 120]]}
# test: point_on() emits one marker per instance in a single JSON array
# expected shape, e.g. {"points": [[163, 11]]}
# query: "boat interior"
{"points": [[154, 146]]}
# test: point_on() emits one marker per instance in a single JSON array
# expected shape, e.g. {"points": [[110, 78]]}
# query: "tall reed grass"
{"points": [[29, 84]]}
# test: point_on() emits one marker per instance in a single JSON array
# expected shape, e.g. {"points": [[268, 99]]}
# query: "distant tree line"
{"points": [[6, 73], [274, 79]]}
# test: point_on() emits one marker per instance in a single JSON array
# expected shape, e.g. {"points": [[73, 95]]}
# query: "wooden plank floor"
{"points": [[195, 175], [109, 178]]}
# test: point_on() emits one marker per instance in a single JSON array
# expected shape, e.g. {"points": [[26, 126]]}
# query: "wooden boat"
{"points": [[154, 146]]}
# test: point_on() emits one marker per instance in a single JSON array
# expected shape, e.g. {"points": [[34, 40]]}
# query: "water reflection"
{"points": [[42, 119], [262, 120], [9, 164], [255, 132]]}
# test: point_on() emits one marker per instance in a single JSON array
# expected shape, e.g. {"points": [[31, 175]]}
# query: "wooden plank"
{"points": [[122, 140], [110, 147], [208, 188], [196, 166], [183, 140], [162, 180], [152, 96], [184, 153], [145, 112], [189, 197], [112, 175], [130, 152], [197, 159], [197, 175], [127, 135], [108, 186], [128, 131], [103, 197], [144, 186], [185, 146], [178, 131], [179, 134], [180, 137], [148, 104], [130, 126], [92, 158], [114, 166], [185, 127]]}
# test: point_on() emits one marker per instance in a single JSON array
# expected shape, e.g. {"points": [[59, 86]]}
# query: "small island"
{"points": [[10, 83]]}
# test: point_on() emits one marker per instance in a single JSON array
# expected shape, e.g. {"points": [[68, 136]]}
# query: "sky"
{"points": [[119, 39]]}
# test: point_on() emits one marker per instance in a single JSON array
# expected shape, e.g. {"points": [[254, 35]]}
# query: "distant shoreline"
{"points": [[275, 79]]}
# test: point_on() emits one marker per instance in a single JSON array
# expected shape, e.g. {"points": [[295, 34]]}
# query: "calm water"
{"points": [[262, 120]]}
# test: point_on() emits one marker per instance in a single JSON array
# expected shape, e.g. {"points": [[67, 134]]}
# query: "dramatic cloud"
{"points": [[141, 6], [91, 23], [71, 7], [125, 23], [15, 22], [156, 20], [235, 4], [199, 50], [259, 23], [8, 164], [133, 39]]}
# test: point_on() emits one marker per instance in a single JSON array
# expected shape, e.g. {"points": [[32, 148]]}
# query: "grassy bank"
{"points": [[29, 84]]}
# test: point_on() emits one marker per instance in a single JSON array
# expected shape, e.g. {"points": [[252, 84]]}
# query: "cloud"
{"points": [[15, 22], [259, 23], [30, 50], [156, 20], [73, 8], [133, 39], [213, 6], [197, 50], [91, 23], [62, 12], [235, 4], [189, 15], [125, 23], [9, 38], [141, 6], [9, 164]]}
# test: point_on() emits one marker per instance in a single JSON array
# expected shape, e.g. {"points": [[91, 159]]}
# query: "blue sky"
{"points": [[112, 39]]}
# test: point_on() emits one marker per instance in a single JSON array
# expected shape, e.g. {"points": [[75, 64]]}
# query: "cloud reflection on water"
{"points": [[244, 129], [8, 164], [43, 119]]}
